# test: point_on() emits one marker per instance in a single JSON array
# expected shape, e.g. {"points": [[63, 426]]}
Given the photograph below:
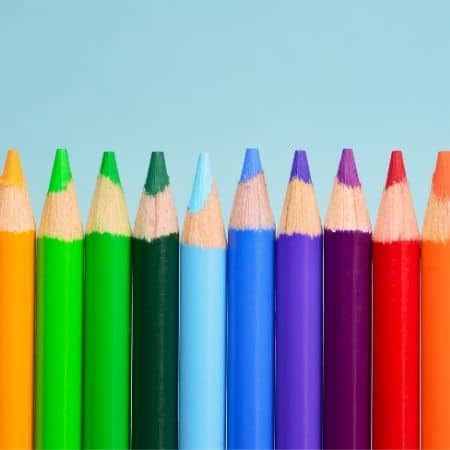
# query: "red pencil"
{"points": [[396, 316]]}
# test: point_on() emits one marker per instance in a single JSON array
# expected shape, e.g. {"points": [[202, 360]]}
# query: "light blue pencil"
{"points": [[202, 317]]}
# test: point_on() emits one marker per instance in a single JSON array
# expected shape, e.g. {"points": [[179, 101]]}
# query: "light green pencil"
{"points": [[59, 314]]}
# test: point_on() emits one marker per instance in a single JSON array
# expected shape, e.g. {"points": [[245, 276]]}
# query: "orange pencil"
{"points": [[436, 311], [17, 249]]}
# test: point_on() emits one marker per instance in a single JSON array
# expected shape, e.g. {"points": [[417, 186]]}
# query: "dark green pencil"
{"points": [[155, 314]]}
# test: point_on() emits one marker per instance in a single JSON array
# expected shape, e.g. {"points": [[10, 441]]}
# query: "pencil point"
{"points": [[252, 165], [12, 172], [396, 172], [441, 177], [109, 167], [202, 184], [61, 173], [157, 178], [347, 173], [300, 167]]}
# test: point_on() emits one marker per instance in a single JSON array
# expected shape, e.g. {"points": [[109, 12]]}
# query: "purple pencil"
{"points": [[347, 350], [299, 315]]}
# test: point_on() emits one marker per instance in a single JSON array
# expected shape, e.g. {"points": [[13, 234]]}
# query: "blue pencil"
{"points": [[202, 318], [251, 245]]}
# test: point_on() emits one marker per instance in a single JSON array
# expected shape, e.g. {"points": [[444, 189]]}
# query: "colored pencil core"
{"points": [[252, 165], [441, 179], [109, 167], [61, 173], [396, 172], [347, 173], [12, 173], [157, 178], [300, 167], [202, 184]]}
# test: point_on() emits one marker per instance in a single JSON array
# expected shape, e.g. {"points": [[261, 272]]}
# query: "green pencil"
{"points": [[59, 314], [155, 314], [107, 315]]}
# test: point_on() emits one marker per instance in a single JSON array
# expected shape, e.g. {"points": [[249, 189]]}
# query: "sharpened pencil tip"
{"points": [[61, 172], [202, 184], [251, 166], [396, 172], [300, 167], [12, 172], [157, 178], [108, 167], [441, 177], [347, 173]]}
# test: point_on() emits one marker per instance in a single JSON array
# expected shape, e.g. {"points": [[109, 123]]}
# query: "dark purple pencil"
{"points": [[299, 315], [347, 354]]}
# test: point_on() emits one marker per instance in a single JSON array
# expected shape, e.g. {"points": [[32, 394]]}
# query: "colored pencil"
{"points": [[155, 314], [299, 315], [396, 275], [59, 313], [17, 266], [107, 315], [347, 318], [203, 317], [251, 255], [436, 310]]}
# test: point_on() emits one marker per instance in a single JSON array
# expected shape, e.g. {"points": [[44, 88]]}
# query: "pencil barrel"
{"points": [[347, 339], [59, 327], [250, 338], [17, 253], [396, 345], [435, 345], [155, 343], [107, 342], [299, 342], [202, 347]]}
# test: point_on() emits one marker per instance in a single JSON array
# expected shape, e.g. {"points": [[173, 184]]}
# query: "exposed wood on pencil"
{"points": [[251, 207], [396, 219], [300, 213], [156, 216], [108, 212], [205, 228], [16, 214], [61, 216], [437, 216]]}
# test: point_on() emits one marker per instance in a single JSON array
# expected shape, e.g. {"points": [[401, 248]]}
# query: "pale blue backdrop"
{"points": [[217, 76]]}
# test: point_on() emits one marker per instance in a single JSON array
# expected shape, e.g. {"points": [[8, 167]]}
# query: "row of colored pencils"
{"points": [[155, 370]]}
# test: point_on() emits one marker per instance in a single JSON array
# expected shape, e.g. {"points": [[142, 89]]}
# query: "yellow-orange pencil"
{"points": [[17, 249]]}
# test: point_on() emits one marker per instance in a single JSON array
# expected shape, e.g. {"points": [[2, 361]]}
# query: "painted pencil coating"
{"points": [[59, 314], [347, 318], [299, 318], [107, 316], [59, 343], [155, 314], [202, 318], [347, 339], [17, 269], [202, 348], [435, 285], [396, 275], [251, 253]]}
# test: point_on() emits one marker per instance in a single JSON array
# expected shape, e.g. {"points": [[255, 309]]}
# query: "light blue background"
{"points": [[190, 76]]}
